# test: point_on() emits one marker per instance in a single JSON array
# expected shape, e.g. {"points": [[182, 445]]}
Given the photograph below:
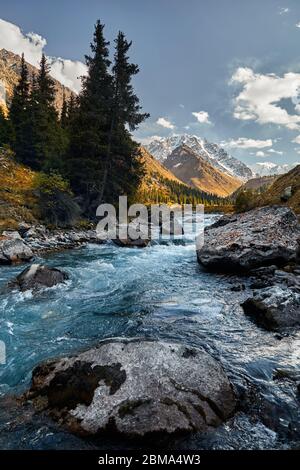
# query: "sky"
{"points": [[226, 70]]}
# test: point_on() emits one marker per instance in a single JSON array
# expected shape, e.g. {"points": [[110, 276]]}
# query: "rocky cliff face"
{"points": [[10, 66], [194, 170]]}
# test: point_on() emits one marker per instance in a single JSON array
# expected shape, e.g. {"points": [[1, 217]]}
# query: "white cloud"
{"points": [[165, 123], [278, 152], [202, 117], [181, 106], [261, 94], [283, 11], [260, 153], [296, 140], [245, 143], [297, 25], [148, 140], [13, 39]]}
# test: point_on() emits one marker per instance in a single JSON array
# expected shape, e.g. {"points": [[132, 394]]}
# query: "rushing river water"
{"points": [[157, 292]]}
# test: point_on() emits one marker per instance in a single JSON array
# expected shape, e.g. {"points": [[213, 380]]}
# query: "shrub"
{"points": [[56, 203], [245, 201]]}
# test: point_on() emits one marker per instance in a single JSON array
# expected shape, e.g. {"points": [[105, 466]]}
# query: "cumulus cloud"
{"points": [[13, 39], [202, 117], [148, 140], [165, 123], [260, 153], [296, 140], [297, 25], [283, 11], [277, 152], [245, 143], [261, 94]]}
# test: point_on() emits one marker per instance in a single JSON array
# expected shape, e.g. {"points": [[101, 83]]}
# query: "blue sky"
{"points": [[227, 70]]}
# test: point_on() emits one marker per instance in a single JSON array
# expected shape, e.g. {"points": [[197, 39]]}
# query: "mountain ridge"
{"points": [[197, 172], [211, 152]]}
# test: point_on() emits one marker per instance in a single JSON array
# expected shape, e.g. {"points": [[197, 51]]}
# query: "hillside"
{"points": [[17, 201], [10, 65], [285, 190], [258, 185], [161, 185], [195, 171], [213, 153]]}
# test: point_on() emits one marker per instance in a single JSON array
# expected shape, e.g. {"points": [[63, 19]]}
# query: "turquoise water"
{"points": [[157, 292]]}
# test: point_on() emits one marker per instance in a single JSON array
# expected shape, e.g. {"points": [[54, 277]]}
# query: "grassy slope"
{"points": [[197, 172], [155, 174], [273, 194], [17, 202], [257, 185]]}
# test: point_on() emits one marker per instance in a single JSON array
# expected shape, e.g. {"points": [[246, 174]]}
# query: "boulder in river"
{"points": [[260, 237], [13, 250], [274, 307], [136, 388], [37, 276], [129, 243]]}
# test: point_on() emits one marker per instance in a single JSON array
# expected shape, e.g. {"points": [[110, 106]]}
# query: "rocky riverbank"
{"points": [[264, 245], [28, 241]]}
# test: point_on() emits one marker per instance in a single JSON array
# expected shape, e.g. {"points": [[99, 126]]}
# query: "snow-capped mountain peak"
{"points": [[161, 148], [270, 168]]}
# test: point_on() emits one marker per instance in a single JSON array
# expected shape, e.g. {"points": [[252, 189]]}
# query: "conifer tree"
{"points": [[48, 140], [64, 113], [91, 124], [5, 130], [122, 162], [20, 116]]}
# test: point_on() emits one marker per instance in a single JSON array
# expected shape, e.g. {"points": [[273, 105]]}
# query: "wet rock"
{"points": [[238, 288], [23, 228], [38, 231], [274, 307], [129, 243], [11, 235], [286, 194], [137, 388], [37, 277], [14, 250], [261, 237]]}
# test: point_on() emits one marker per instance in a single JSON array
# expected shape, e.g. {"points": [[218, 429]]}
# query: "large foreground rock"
{"points": [[13, 250], [135, 388], [37, 276], [274, 307], [261, 237]]}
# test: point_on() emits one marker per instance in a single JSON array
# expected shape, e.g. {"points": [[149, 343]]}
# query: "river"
{"points": [[157, 292]]}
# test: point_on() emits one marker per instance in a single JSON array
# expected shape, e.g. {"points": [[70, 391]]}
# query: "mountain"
{"points": [[160, 185], [214, 154], [270, 168], [285, 190], [10, 66], [196, 171], [257, 185], [155, 172]]}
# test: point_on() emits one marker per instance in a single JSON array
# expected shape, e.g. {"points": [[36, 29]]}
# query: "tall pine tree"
{"points": [[91, 124], [20, 117], [5, 130], [48, 138], [64, 113], [123, 168]]}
